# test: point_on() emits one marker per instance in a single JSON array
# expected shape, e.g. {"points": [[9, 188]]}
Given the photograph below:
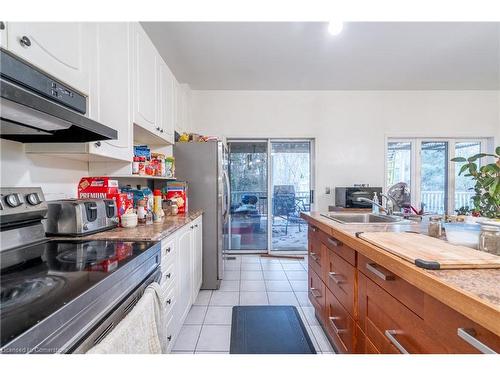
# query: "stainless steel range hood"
{"points": [[35, 108]]}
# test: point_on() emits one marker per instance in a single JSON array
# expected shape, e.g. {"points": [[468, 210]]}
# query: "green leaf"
{"points": [[497, 150], [475, 157], [463, 169], [459, 159]]}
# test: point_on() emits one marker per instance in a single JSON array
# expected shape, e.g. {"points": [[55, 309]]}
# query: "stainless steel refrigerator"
{"points": [[204, 167]]}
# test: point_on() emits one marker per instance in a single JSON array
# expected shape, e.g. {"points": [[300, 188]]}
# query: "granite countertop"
{"points": [[153, 232], [482, 284]]}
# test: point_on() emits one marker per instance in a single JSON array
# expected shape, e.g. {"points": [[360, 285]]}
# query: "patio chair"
{"points": [[284, 204]]}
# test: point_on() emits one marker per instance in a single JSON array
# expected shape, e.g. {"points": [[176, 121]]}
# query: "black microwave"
{"points": [[347, 197]]}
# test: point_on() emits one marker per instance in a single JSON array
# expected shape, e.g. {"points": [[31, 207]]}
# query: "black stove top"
{"points": [[40, 279]]}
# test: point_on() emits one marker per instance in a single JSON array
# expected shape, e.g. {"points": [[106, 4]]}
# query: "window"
{"points": [[424, 164]]}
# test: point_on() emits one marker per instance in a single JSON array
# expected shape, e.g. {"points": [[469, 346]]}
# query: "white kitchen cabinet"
{"points": [[165, 107], [58, 48], [197, 251], [145, 80], [3, 34], [184, 248], [111, 88]]}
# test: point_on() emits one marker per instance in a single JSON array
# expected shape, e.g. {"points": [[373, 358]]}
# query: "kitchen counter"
{"points": [[153, 232], [474, 293]]}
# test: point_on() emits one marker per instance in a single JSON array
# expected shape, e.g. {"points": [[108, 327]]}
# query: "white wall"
{"points": [[58, 177], [349, 126]]}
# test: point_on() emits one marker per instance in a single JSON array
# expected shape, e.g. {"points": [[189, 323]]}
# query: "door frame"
{"points": [[312, 187]]}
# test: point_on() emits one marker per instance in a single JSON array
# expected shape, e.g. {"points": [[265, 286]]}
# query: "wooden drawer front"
{"points": [[363, 343], [340, 278], [410, 296], [445, 323], [339, 248], [390, 325], [316, 291], [315, 250], [339, 325]]}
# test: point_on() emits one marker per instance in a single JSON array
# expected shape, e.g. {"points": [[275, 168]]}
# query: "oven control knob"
{"points": [[33, 199], [14, 200]]}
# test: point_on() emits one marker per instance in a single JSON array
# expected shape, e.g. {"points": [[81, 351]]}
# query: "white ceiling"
{"points": [[303, 56]]}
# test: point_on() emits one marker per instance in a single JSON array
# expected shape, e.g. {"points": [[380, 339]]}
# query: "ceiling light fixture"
{"points": [[335, 27]]}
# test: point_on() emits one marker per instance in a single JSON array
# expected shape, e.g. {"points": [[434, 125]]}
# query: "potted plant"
{"points": [[486, 199]]}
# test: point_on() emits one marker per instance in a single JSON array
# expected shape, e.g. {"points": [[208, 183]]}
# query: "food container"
{"points": [[129, 220], [463, 234], [435, 227], [489, 239]]}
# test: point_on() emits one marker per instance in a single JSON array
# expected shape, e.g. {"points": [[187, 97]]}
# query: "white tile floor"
{"points": [[249, 280]]}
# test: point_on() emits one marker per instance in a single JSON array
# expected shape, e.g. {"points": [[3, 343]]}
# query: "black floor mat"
{"points": [[269, 330]]}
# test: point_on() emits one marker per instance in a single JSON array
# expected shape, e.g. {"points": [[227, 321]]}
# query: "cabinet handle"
{"points": [[167, 250], [25, 41], [98, 144], [196, 226], [315, 292], [332, 320], [373, 268], [335, 277], [334, 242], [314, 229], [158, 128], [390, 334], [314, 256], [169, 337], [2, 25], [168, 275], [168, 301], [469, 336], [161, 131]]}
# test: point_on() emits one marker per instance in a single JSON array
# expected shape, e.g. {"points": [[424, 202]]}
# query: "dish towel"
{"points": [[142, 331]]}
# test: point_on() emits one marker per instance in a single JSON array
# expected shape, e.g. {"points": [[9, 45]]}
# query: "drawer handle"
{"points": [[315, 292], [314, 256], [314, 229], [332, 320], [168, 275], [373, 268], [168, 301], [167, 250], [169, 337], [390, 334], [469, 336], [335, 277], [334, 242]]}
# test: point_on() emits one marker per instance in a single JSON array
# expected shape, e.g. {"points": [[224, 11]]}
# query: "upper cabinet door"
{"points": [[3, 34], [110, 87], [58, 48], [165, 101], [145, 80]]}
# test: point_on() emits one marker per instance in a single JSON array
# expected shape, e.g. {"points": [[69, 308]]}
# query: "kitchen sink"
{"points": [[359, 218]]}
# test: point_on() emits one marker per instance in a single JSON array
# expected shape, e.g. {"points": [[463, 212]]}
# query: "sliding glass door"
{"points": [[270, 184]]}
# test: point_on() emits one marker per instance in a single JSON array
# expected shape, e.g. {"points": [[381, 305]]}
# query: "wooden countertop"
{"points": [[473, 293], [153, 232]]}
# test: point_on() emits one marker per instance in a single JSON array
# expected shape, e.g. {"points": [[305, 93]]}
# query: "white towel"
{"points": [[140, 331]]}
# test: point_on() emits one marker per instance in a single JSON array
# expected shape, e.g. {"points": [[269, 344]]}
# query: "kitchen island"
{"points": [[371, 301]]}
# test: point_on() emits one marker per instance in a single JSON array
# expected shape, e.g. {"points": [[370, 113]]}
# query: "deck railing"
{"points": [[433, 200], [261, 205]]}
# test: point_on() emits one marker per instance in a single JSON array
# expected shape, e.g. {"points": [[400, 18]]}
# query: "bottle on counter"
{"points": [[141, 211], [375, 208], [157, 206]]}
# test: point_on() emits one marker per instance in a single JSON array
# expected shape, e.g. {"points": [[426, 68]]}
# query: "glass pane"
{"points": [[248, 200], [398, 163], [433, 171], [464, 185], [291, 177]]}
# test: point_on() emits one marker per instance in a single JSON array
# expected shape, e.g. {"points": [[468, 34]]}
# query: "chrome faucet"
{"points": [[389, 203], [363, 199]]}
